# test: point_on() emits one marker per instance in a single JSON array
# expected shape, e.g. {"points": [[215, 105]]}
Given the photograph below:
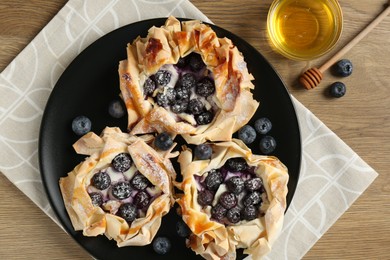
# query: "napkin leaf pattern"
{"points": [[332, 175]]}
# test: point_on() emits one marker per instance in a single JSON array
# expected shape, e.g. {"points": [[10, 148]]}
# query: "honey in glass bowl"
{"points": [[304, 29]]}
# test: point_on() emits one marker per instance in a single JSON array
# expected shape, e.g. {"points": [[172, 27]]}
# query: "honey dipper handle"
{"points": [[358, 37]]}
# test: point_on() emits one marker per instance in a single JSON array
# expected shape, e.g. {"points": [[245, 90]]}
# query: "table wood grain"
{"points": [[361, 119]]}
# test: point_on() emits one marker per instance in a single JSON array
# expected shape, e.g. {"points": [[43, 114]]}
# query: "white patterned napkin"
{"points": [[332, 175]]}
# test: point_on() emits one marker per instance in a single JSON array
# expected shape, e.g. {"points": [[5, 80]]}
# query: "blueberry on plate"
{"points": [[163, 141], [247, 134], [337, 89], [203, 151], [263, 125], [81, 125], [128, 212], [116, 109], [267, 144], [182, 229], [161, 245], [343, 68], [101, 180], [121, 162]]}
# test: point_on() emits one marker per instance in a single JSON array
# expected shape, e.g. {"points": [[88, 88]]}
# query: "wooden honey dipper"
{"points": [[312, 77]]}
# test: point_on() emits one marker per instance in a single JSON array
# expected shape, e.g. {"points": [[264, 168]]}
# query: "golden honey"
{"points": [[304, 29]]}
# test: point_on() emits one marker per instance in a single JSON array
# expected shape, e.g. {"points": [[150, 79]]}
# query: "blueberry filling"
{"points": [[232, 193], [184, 88]]}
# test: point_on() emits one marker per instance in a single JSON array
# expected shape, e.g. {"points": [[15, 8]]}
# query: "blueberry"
{"points": [[343, 68], [182, 93], [203, 151], [204, 118], [205, 198], [252, 198], [163, 77], [101, 180], [141, 199], [235, 185], [96, 198], [128, 212], [237, 164], [121, 190], [182, 229], [228, 200], [337, 89], [218, 212], [161, 245], [249, 212], [180, 106], [121, 162], [187, 81], [181, 63], [195, 61], [139, 182], [163, 141], [81, 125], [247, 134], [149, 86], [234, 215], [205, 87], [263, 125], [116, 109], [213, 180], [267, 144], [253, 184], [195, 106], [166, 99]]}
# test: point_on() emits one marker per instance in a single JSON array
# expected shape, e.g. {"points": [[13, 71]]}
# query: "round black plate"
{"points": [[91, 82]]}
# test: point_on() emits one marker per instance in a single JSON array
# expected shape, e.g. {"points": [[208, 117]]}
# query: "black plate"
{"points": [[91, 82]]}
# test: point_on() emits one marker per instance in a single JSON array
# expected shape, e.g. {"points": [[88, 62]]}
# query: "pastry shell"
{"points": [[165, 45], [213, 240], [91, 219]]}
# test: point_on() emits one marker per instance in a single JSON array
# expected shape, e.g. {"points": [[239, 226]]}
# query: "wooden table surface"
{"points": [[361, 119]]}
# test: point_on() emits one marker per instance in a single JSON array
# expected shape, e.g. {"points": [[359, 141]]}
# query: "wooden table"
{"points": [[361, 119]]}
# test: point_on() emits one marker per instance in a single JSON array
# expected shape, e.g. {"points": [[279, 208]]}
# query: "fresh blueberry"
{"points": [[195, 106], [121, 190], [218, 212], [139, 182], [96, 198], [205, 87], [81, 125], [252, 198], [187, 81], [267, 144], [235, 185], [101, 180], [337, 89], [249, 212], [116, 108], [163, 141], [228, 200], [203, 151], [205, 198], [128, 212], [263, 125], [149, 86], [166, 99], [163, 77], [121, 162], [237, 164], [182, 93], [195, 61], [343, 68], [213, 180], [253, 184], [161, 245], [182, 229], [204, 118], [247, 134], [180, 106], [234, 215], [141, 199]]}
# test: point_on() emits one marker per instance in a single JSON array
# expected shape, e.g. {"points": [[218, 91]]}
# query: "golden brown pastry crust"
{"points": [[165, 45], [213, 240], [92, 220]]}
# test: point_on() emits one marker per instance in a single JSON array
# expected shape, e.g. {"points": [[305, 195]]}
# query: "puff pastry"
{"points": [[122, 189], [250, 222], [183, 79]]}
